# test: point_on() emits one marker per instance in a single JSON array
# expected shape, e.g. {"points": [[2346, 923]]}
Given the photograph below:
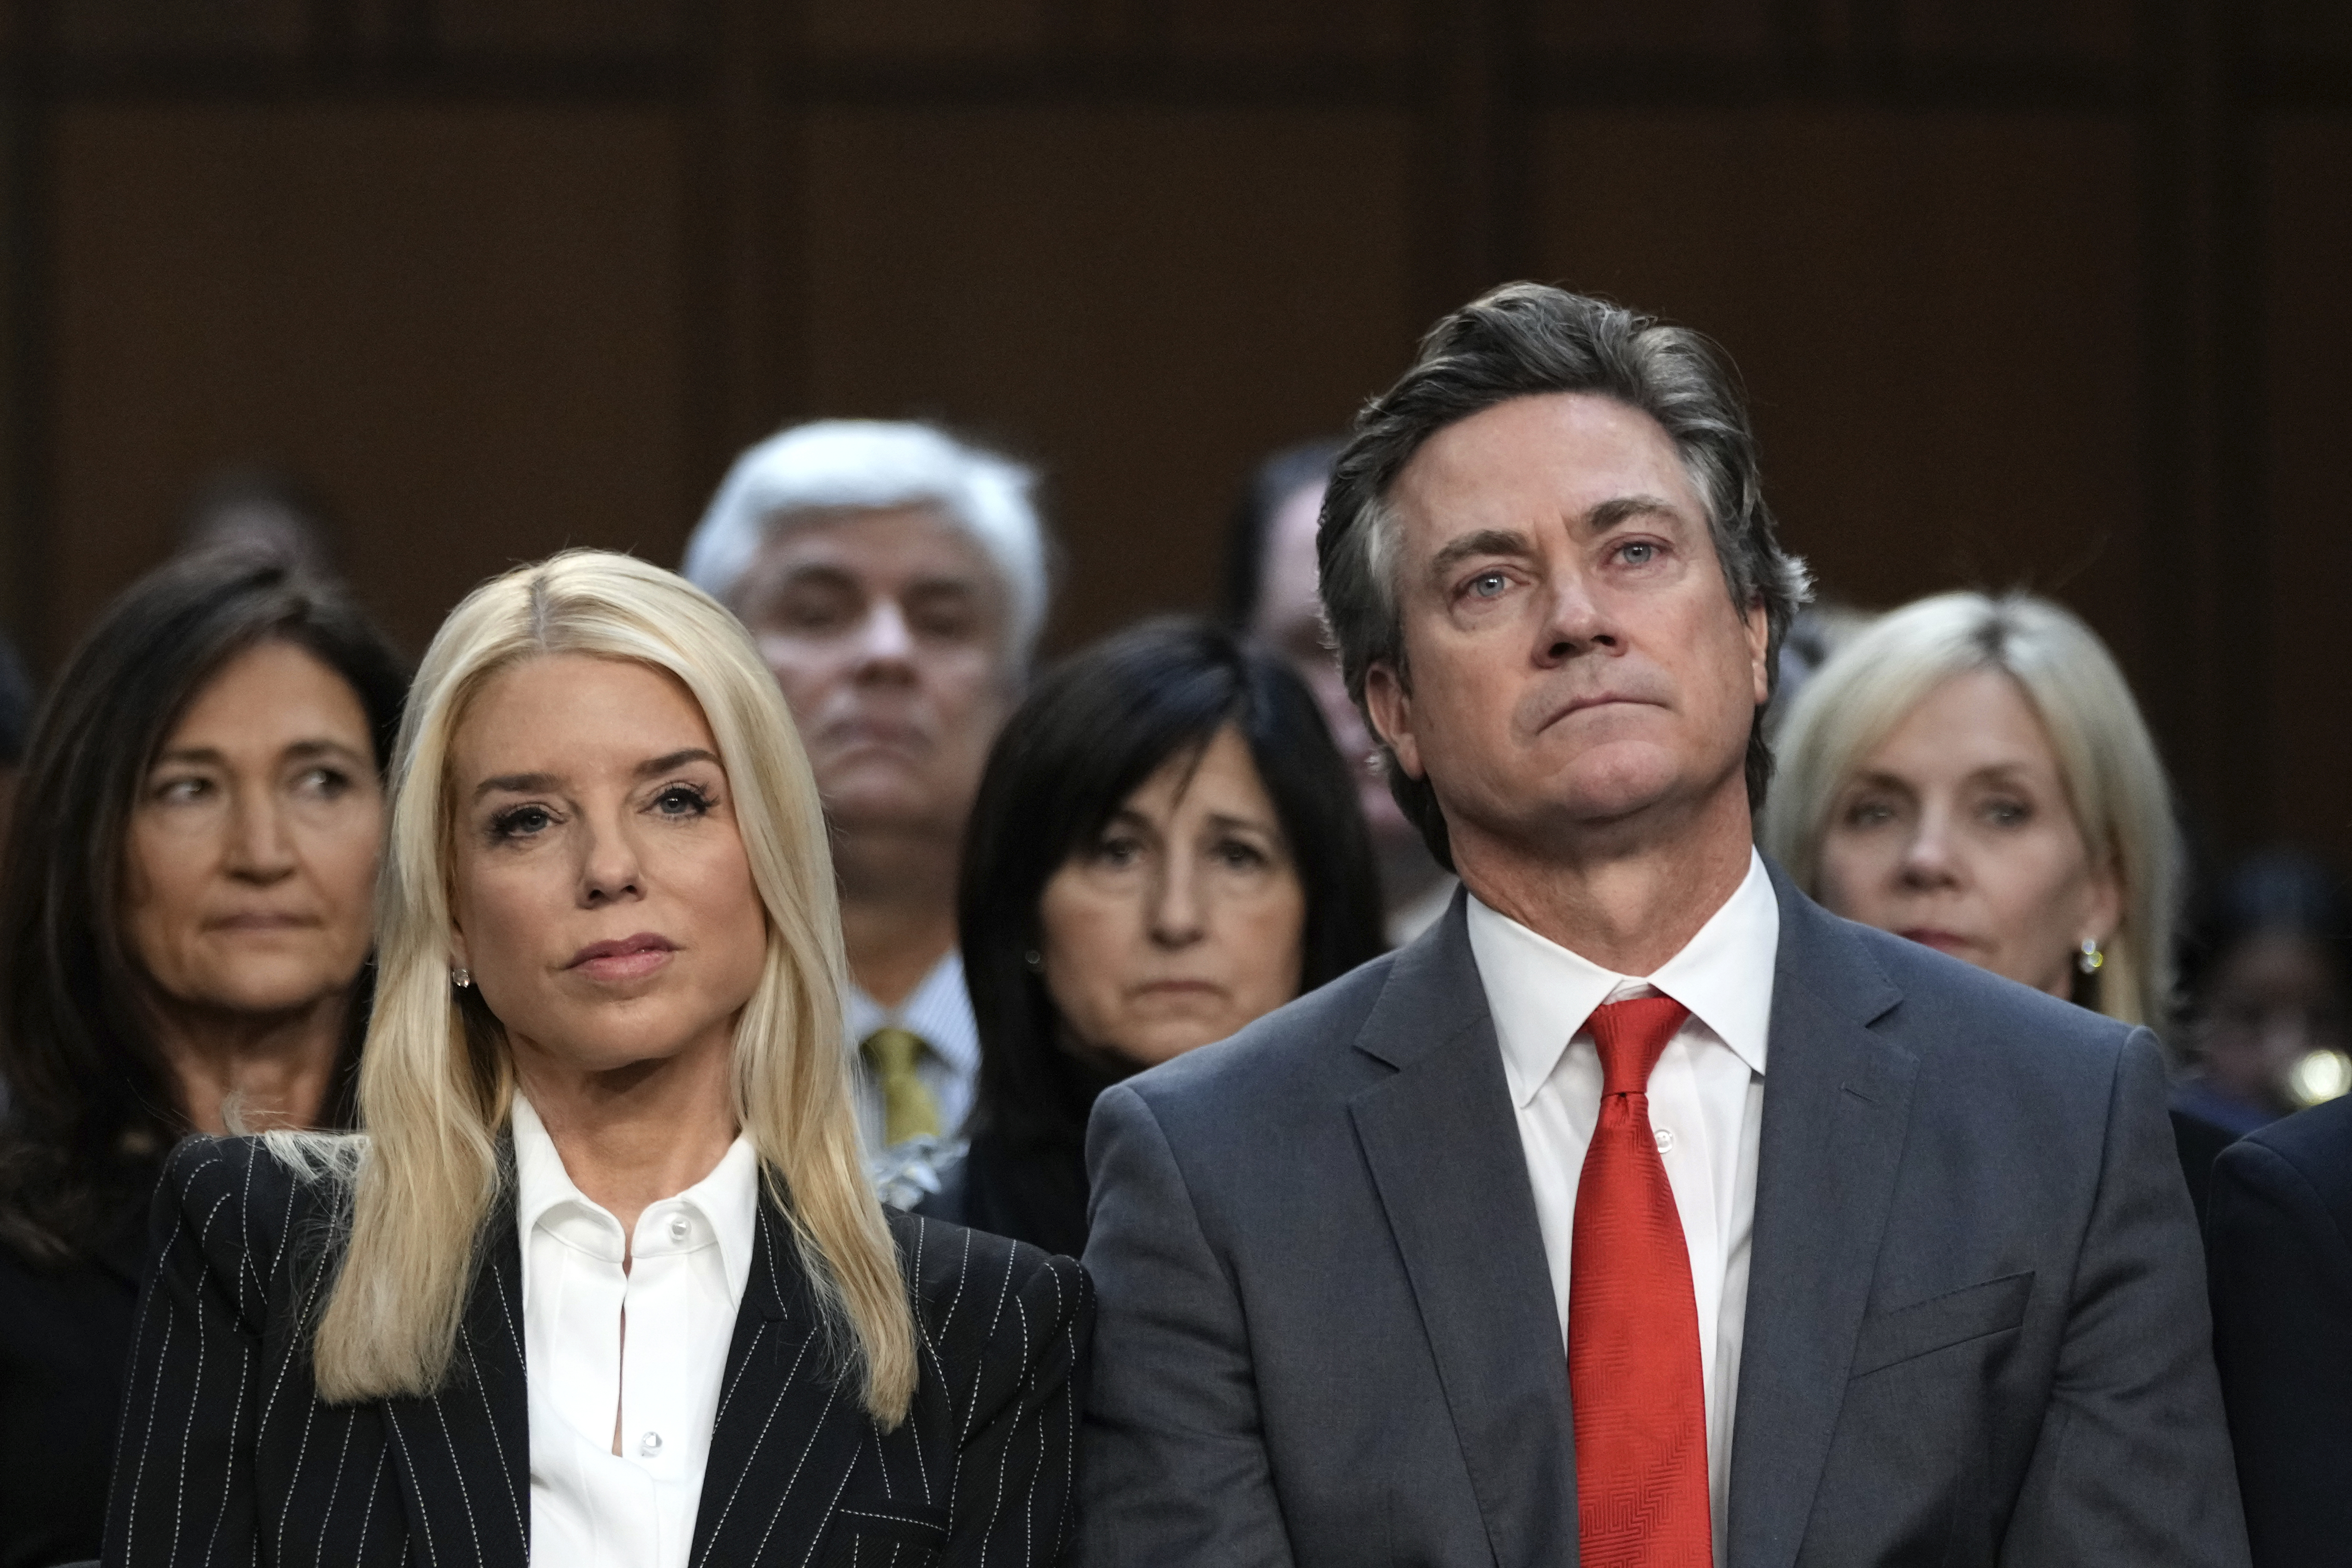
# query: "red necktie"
{"points": [[1633, 1323]]}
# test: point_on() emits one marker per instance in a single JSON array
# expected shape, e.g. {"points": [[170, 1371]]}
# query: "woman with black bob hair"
{"points": [[1165, 847], [185, 919]]}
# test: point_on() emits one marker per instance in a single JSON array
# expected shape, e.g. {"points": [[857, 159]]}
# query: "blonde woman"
{"points": [[599, 1280], [1971, 771]]}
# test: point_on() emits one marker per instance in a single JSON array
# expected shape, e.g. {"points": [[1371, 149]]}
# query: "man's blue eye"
{"points": [[1639, 554], [1487, 584]]}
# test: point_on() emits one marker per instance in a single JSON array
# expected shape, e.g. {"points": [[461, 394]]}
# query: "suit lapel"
{"points": [[464, 1455], [1444, 1149], [786, 1438], [1836, 1100]]}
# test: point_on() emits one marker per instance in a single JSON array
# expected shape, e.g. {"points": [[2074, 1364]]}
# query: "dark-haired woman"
{"points": [[1166, 846], [184, 926]]}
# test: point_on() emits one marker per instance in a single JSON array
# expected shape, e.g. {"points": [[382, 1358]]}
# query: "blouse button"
{"points": [[678, 1227], [649, 1445]]}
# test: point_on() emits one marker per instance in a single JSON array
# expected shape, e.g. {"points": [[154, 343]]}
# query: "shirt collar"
{"points": [[939, 1010], [1542, 993], [727, 1200]]}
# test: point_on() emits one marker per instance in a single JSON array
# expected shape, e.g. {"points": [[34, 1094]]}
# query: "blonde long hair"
{"points": [[436, 1082], [2113, 776]]}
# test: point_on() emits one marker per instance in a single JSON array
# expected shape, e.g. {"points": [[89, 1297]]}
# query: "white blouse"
{"points": [[650, 1342]]}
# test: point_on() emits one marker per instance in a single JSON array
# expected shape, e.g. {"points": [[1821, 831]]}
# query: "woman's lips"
{"points": [[630, 957]]}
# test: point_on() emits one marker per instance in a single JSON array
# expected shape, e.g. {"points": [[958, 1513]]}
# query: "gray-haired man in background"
{"points": [[895, 579]]}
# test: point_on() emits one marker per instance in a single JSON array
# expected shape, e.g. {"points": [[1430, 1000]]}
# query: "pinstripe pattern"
{"points": [[228, 1458]]}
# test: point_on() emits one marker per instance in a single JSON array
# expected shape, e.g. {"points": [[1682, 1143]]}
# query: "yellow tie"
{"points": [[907, 1108]]}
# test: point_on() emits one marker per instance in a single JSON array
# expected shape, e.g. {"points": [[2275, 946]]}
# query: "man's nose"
{"points": [[884, 637], [1575, 618]]}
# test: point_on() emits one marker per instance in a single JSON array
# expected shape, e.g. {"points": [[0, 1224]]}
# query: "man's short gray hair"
{"points": [[831, 465], [1527, 340]]}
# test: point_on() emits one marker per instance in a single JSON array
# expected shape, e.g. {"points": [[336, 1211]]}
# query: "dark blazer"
{"points": [[228, 1456], [64, 1334], [2279, 1243], [1976, 1325]]}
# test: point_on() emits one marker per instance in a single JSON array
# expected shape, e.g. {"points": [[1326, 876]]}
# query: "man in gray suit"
{"points": [[1641, 1212]]}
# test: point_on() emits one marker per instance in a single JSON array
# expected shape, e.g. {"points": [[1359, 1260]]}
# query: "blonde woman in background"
{"points": [[600, 1279], [1971, 772]]}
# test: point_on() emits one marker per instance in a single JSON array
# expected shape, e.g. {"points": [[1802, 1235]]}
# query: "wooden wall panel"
{"points": [[1704, 29], [1935, 315], [1142, 301], [2309, 339], [189, 29], [629, 27], [928, 29], [462, 324]]}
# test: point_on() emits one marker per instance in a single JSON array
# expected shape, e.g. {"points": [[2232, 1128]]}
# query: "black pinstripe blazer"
{"points": [[228, 1456]]}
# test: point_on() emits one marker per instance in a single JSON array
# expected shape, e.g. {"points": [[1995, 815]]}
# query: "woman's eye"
{"points": [[182, 792], [1869, 814], [1118, 853], [329, 783], [1240, 854], [682, 800], [521, 822], [2007, 813]]}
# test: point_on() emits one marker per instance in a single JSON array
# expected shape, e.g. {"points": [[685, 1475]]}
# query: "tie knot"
{"points": [[894, 1051], [1632, 1036]]}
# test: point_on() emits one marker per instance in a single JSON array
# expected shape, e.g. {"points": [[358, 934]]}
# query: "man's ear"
{"points": [[1390, 703], [1759, 646]]}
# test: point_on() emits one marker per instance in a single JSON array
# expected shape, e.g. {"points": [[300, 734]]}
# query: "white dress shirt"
{"points": [[1706, 1105], [939, 1012], [689, 1261]]}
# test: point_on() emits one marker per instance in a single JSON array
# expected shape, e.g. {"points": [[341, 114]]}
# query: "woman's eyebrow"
{"points": [[672, 761], [517, 783]]}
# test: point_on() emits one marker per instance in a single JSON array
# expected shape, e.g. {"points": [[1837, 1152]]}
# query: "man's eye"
{"points": [[1638, 552], [1489, 585]]}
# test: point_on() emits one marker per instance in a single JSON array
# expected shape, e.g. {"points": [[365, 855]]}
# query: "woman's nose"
{"points": [[260, 848], [1176, 915]]}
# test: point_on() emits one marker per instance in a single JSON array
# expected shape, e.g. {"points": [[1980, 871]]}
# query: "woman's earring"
{"points": [[1035, 959], [464, 978], [2090, 958]]}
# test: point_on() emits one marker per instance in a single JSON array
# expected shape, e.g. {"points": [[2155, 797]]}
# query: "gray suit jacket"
{"points": [[1976, 1328]]}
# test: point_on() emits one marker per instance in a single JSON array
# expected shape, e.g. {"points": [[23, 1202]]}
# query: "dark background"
{"points": [[2048, 292]]}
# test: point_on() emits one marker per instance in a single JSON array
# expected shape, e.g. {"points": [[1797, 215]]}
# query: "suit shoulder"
{"points": [[240, 1198], [965, 1282], [1944, 992], [1275, 1055], [2316, 1144]]}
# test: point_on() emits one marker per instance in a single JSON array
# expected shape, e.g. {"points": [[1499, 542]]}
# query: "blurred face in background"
{"points": [[1290, 618], [602, 900], [887, 630], [1957, 832], [2270, 1000], [1184, 922], [253, 846]]}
